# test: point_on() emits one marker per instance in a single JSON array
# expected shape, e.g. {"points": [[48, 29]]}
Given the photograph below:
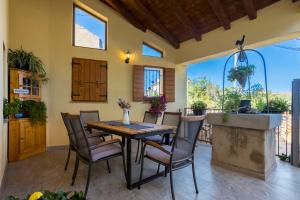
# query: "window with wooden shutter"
{"points": [[89, 80], [149, 82]]}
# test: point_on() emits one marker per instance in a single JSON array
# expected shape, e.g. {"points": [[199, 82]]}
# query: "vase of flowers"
{"points": [[125, 106], [158, 105]]}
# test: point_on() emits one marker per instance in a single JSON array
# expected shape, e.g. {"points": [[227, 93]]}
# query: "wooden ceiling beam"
{"points": [[116, 5], [219, 11], [250, 9], [154, 23], [184, 19]]}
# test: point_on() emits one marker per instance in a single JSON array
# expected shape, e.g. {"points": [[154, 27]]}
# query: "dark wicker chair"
{"points": [[92, 116], [170, 119], [180, 154], [93, 139], [90, 155], [149, 117]]}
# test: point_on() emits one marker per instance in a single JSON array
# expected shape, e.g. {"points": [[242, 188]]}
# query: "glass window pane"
{"points": [[152, 82], [90, 31], [150, 51]]}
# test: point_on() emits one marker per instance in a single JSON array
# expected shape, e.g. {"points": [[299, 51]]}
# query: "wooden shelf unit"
{"points": [[25, 139]]}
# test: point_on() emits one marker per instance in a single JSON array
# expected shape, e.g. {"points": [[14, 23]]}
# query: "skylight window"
{"points": [[89, 30], [149, 50]]}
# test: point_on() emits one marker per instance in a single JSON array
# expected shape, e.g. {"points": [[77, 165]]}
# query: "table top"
{"points": [[130, 131]]}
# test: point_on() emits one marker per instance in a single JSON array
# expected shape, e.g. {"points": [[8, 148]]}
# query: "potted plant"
{"points": [[199, 107], [36, 111], [158, 105], [48, 195], [277, 105], [21, 59], [15, 109], [125, 106]]}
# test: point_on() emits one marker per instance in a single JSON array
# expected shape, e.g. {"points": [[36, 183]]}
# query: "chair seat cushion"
{"points": [[154, 138], [157, 154], [103, 151]]}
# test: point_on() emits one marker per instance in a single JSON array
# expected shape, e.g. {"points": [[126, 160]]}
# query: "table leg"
{"points": [[128, 163], [167, 141]]}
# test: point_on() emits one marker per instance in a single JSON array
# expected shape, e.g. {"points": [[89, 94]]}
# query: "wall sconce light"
{"points": [[127, 57]]}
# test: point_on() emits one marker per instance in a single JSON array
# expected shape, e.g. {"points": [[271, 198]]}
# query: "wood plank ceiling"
{"points": [[180, 20]]}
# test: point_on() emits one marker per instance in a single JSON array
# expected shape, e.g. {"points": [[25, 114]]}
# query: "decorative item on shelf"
{"points": [[158, 105], [125, 106], [47, 195], [127, 57], [27, 61], [199, 107], [35, 110]]}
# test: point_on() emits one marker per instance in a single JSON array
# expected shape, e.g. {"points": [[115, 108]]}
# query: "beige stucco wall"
{"points": [[3, 93], [277, 22], [47, 31]]}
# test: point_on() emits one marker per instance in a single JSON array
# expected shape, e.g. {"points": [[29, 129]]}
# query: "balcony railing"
{"points": [[283, 132]]}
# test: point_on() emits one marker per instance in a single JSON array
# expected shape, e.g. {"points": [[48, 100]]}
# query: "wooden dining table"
{"points": [[136, 130]]}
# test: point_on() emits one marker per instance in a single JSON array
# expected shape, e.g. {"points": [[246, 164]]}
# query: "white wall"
{"points": [[3, 93]]}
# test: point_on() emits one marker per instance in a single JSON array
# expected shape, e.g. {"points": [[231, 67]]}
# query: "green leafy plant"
{"points": [[36, 111], [198, 107], [48, 195], [5, 108], [277, 105], [232, 103], [240, 74], [15, 107], [27, 61]]}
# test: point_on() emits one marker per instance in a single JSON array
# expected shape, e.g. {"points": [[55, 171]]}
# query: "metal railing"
{"points": [[283, 132]]}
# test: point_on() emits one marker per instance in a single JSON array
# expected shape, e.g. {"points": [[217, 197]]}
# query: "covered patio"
{"points": [[101, 101]]}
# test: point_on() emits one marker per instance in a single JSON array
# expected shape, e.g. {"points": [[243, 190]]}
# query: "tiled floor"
{"points": [[47, 172]]}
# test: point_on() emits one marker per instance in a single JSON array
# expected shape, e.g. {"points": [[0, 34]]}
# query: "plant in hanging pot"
{"points": [[241, 74], [158, 105], [125, 106], [199, 107]]}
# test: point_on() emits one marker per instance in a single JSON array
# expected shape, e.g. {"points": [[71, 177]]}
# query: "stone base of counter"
{"points": [[248, 172], [249, 151]]}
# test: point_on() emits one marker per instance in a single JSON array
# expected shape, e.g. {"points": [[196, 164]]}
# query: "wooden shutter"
{"points": [[169, 84], [89, 80], [80, 79], [98, 81], [138, 83]]}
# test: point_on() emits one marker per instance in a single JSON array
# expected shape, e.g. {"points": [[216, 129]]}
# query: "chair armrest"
{"points": [[158, 146], [106, 143]]}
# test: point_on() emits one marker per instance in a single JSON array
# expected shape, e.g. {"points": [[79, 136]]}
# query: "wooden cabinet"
{"points": [[21, 80], [25, 139]]}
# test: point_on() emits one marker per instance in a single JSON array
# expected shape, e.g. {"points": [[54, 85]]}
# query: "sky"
{"points": [[282, 63], [91, 23]]}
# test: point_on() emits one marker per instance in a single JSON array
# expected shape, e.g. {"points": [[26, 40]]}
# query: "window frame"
{"points": [[148, 99], [155, 48], [97, 17]]}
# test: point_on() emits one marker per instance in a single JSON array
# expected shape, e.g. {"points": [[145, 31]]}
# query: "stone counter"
{"points": [[245, 142]]}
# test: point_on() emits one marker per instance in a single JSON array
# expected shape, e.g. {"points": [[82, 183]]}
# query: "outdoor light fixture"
{"points": [[127, 57]]}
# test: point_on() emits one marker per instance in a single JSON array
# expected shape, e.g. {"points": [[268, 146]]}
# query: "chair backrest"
{"points": [[72, 140], [171, 118], [186, 136], [80, 136], [150, 117], [89, 116]]}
